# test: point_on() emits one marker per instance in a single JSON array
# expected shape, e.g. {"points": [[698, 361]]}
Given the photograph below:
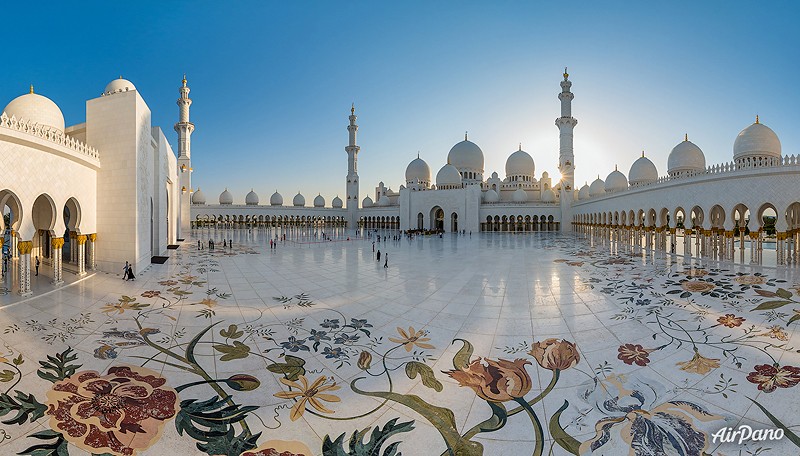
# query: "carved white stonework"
{"points": [[24, 266]]}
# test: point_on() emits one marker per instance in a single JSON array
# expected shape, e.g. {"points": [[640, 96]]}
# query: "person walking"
{"points": [[37, 265], [130, 272], [223, 243], [126, 271], [386, 261], [198, 244], [373, 246], [230, 243], [379, 255]]}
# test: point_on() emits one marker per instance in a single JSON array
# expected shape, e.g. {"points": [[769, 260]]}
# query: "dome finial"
{"points": [[353, 109], [184, 79], [417, 154], [686, 136], [615, 168], [31, 88], [566, 75], [520, 147], [756, 114], [465, 136], [642, 153]]}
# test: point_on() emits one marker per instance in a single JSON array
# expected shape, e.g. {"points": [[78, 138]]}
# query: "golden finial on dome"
{"points": [[465, 136], [566, 75], [520, 147], [686, 136], [353, 109], [31, 88], [756, 114], [417, 154], [184, 79]]}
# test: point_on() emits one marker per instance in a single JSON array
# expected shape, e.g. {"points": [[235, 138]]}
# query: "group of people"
{"points": [[127, 272], [385, 257], [212, 244]]}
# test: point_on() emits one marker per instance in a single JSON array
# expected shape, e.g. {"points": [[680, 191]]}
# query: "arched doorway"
{"points": [[437, 218], [420, 221], [454, 222], [72, 221], [44, 220]]}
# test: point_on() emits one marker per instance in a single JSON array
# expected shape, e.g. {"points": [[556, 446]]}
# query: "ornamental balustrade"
{"points": [[49, 134]]}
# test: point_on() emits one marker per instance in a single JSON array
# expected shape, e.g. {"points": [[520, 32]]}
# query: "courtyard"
{"points": [[488, 343]]}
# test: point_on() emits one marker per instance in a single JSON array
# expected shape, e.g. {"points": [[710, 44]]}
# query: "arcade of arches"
{"points": [[267, 221], [58, 245], [714, 233]]}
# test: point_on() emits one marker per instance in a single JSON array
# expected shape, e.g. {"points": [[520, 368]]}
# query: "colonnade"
{"points": [[714, 243]]}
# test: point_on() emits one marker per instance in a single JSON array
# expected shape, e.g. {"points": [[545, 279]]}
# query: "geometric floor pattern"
{"points": [[493, 344]]}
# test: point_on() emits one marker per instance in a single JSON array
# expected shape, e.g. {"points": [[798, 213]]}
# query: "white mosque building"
{"points": [[712, 208], [111, 190], [88, 196]]}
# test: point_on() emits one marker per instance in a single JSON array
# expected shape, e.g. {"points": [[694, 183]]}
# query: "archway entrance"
{"points": [[420, 221], [72, 220], [454, 222], [44, 219], [437, 218]]}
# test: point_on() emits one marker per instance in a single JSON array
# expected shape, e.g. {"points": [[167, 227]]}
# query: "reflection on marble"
{"points": [[485, 344]]}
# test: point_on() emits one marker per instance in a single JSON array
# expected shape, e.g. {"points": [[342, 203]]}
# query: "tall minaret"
{"points": [[184, 128], [352, 170], [566, 157]]}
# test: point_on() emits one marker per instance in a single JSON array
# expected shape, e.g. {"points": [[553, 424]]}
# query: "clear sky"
{"points": [[272, 82]]}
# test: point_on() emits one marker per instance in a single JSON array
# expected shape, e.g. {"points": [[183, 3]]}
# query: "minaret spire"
{"points": [[184, 128], [566, 157], [352, 168]]}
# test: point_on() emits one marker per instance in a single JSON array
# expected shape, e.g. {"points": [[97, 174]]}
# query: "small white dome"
{"points": [[276, 199], [520, 163], [549, 196], [118, 85], [598, 187], [367, 202], [225, 197], [384, 201], [36, 109], [616, 181], [491, 196], [643, 171], [448, 176], [251, 199], [584, 192], [198, 197], [299, 200], [418, 169], [519, 196], [756, 140], [686, 156], [337, 202], [466, 155], [319, 201]]}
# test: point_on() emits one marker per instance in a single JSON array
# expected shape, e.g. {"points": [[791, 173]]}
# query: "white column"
{"points": [[81, 242], [90, 254], [24, 264], [58, 272]]}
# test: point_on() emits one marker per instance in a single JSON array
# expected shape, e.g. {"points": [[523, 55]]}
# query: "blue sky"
{"points": [[272, 82]]}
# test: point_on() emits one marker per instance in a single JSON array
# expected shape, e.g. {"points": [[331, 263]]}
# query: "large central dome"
{"points": [[418, 169], [466, 156]]}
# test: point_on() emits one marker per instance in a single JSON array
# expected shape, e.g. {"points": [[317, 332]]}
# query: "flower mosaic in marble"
{"points": [[491, 344]]}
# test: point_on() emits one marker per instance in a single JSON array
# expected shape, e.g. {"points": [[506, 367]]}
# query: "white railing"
{"points": [[722, 168], [49, 134]]}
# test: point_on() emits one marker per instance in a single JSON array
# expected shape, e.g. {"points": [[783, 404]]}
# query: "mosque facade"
{"points": [[90, 196], [712, 208]]}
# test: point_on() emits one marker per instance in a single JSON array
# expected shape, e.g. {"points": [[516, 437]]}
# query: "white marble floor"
{"points": [[494, 344]]}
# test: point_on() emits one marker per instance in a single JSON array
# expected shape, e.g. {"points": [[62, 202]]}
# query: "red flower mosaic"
{"points": [[630, 353], [120, 413], [770, 377]]}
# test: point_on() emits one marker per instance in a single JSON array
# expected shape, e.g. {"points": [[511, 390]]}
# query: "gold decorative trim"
{"points": [[93, 237], [57, 243], [81, 239], [25, 247]]}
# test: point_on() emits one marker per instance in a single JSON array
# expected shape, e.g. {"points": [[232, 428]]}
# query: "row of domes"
{"points": [[251, 199], [755, 141], [41, 110], [466, 156]]}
